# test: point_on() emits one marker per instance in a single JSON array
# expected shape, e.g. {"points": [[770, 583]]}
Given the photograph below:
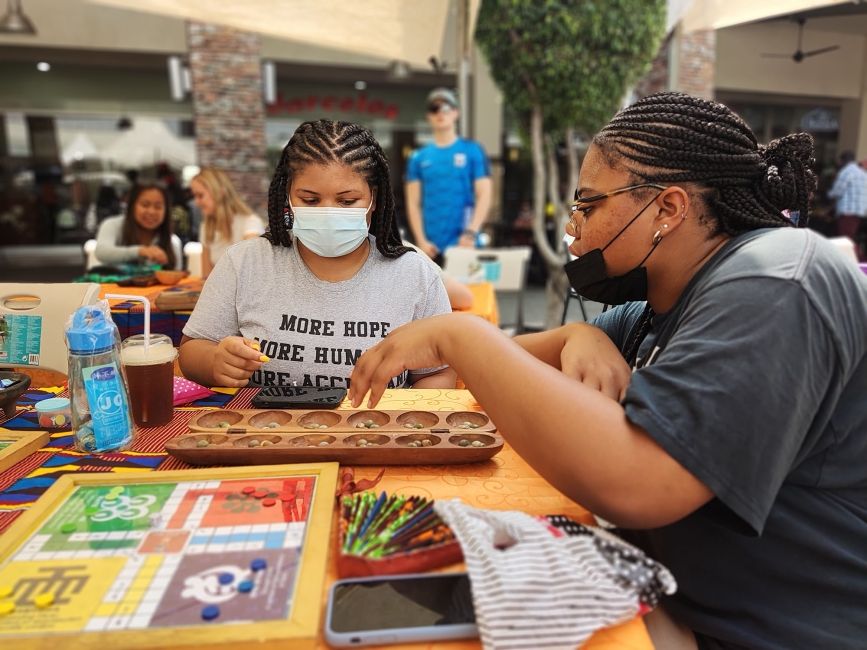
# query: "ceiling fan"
{"points": [[799, 54]]}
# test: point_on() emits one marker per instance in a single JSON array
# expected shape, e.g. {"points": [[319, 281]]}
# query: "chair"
{"points": [[90, 254], [20, 306], [193, 253], [509, 270], [570, 295]]}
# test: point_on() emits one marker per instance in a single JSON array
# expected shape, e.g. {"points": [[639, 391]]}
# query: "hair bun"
{"points": [[786, 178], [795, 147]]}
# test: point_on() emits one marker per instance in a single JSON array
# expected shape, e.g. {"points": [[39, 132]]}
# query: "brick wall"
{"points": [[696, 63], [229, 114], [656, 79], [695, 59]]}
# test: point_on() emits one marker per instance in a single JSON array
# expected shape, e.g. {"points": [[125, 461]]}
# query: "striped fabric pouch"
{"points": [[550, 583]]}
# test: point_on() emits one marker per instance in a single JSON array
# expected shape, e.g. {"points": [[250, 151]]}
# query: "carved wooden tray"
{"points": [[360, 437]]}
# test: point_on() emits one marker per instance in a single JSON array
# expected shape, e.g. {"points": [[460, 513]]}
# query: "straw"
{"points": [[147, 313]]}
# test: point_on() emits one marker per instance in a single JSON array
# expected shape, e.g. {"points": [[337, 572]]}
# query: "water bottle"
{"points": [[101, 419]]}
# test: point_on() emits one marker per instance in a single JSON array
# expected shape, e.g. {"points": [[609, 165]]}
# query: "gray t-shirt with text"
{"points": [[313, 330]]}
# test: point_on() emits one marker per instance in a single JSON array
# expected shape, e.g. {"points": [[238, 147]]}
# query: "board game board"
{"points": [[15, 445], [165, 559]]}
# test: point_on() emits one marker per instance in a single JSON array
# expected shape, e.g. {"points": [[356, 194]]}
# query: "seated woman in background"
{"points": [[143, 234], [226, 219], [328, 280]]}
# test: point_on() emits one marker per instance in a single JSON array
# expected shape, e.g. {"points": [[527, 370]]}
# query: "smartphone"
{"points": [[298, 397], [406, 608]]}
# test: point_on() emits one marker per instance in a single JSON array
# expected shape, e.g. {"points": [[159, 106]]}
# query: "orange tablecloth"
{"points": [[505, 482], [484, 302]]}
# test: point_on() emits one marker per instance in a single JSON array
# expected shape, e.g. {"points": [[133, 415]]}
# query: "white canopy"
{"points": [[79, 148], [407, 30], [716, 14], [149, 141]]}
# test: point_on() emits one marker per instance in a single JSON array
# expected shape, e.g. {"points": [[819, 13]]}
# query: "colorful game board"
{"points": [[119, 555], [15, 445]]}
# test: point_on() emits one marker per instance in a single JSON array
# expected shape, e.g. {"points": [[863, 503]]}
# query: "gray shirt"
{"points": [[313, 330], [756, 382]]}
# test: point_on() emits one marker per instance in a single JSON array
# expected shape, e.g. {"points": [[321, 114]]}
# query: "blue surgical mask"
{"points": [[330, 232]]}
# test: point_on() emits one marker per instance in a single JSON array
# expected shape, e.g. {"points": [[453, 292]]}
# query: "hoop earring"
{"points": [[657, 237]]}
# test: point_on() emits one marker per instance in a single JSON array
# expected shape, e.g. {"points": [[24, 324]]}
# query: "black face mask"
{"points": [[590, 279]]}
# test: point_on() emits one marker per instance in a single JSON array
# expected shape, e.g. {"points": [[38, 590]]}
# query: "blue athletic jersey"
{"points": [[447, 176]]}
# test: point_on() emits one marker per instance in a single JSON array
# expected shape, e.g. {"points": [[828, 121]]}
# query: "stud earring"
{"points": [[665, 225]]}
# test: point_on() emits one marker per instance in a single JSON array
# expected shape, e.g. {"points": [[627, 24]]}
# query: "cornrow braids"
{"points": [[676, 138], [324, 142]]}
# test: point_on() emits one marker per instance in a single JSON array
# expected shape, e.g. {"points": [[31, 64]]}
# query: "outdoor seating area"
{"points": [[385, 324]]}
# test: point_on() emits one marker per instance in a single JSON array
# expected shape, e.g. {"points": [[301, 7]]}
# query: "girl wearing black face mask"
{"points": [[720, 420]]}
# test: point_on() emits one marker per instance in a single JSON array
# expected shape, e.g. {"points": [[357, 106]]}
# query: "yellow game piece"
{"points": [[5, 591], [44, 600], [7, 607]]}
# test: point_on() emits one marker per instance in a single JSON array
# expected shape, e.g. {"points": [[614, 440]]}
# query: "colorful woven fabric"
{"points": [[28, 479]]}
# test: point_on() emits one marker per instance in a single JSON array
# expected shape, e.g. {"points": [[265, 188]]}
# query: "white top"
{"points": [[242, 227], [110, 251]]}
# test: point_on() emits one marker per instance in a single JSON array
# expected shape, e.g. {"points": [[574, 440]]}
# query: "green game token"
{"points": [[67, 528]]}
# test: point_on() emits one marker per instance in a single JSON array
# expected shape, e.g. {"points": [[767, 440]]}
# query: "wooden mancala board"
{"points": [[362, 437]]}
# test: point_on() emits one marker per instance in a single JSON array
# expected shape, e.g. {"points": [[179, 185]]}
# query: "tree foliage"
{"points": [[573, 58], [563, 67]]}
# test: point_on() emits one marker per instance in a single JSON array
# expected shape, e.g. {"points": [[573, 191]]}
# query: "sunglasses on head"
{"points": [[439, 108]]}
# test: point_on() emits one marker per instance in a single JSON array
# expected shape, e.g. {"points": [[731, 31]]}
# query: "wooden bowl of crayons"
{"points": [[383, 535]]}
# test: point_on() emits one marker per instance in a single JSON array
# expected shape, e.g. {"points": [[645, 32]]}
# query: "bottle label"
{"points": [[108, 406]]}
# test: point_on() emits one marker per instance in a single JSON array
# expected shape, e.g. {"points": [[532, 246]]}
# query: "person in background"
{"points": [[448, 183], [144, 234], [226, 219], [850, 193], [329, 278], [718, 416]]}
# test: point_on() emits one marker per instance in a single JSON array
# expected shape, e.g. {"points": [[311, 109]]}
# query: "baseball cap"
{"points": [[442, 95]]}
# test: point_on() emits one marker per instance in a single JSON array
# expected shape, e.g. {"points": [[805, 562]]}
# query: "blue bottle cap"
{"points": [[90, 332]]}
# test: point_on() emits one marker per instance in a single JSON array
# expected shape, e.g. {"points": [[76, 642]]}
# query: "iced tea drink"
{"points": [[150, 378]]}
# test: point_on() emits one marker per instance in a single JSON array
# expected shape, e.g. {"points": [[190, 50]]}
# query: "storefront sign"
{"points": [[820, 120], [357, 104]]}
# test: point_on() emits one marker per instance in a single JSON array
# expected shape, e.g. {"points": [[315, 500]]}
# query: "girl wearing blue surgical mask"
{"points": [[328, 280]]}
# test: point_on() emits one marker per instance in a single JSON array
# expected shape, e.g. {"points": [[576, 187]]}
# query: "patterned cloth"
{"points": [[23, 483], [550, 583]]}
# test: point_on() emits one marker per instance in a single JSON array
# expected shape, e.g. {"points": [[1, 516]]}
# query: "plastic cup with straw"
{"points": [[148, 361]]}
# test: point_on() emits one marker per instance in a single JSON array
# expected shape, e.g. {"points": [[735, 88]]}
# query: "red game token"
{"points": [[269, 502], [287, 496], [248, 490], [260, 494]]}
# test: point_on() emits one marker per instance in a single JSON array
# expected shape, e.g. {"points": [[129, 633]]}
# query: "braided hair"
{"points": [[323, 142], [671, 137]]}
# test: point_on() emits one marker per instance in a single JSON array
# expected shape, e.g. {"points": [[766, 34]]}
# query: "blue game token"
{"points": [[226, 578], [258, 564], [210, 612], [245, 585]]}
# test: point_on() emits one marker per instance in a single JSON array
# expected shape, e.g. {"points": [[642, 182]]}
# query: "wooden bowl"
{"points": [[170, 277], [10, 394]]}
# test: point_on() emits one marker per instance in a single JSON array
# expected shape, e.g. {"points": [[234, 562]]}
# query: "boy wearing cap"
{"points": [[448, 188]]}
